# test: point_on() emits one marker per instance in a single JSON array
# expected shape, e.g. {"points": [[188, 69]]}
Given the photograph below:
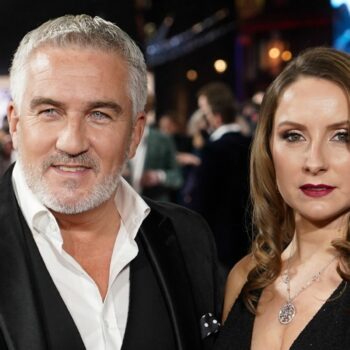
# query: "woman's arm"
{"points": [[235, 282]]}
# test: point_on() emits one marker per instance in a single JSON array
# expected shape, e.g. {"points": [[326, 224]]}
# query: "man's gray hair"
{"points": [[86, 32]]}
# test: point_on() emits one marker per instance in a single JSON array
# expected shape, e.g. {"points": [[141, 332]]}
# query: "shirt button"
{"points": [[109, 325]]}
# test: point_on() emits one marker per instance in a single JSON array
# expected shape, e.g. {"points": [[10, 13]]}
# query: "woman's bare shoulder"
{"points": [[235, 282]]}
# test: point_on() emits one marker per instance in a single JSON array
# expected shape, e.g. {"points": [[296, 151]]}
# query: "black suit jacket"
{"points": [[221, 192], [33, 316]]}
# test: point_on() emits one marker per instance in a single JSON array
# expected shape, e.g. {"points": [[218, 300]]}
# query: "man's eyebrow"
{"points": [[38, 101], [106, 104]]}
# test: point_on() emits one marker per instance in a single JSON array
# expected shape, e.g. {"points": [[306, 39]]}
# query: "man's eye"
{"points": [[50, 112], [341, 136], [97, 115], [292, 136]]}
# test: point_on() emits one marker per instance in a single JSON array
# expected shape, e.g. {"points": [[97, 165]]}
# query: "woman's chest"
{"points": [[278, 326]]}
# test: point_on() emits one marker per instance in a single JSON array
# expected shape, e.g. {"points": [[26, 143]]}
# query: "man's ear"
{"points": [[137, 132], [13, 119]]}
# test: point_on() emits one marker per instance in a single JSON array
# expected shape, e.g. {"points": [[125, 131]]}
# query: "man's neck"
{"points": [[89, 238], [90, 221]]}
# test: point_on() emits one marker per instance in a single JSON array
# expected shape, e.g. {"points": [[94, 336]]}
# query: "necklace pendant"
{"points": [[285, 277], [287, 313]]}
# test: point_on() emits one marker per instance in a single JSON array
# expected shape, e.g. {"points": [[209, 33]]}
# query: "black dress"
{"points": [[329, 329]]}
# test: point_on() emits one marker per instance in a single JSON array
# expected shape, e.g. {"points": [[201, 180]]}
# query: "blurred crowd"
{"points": [[203, 164]]}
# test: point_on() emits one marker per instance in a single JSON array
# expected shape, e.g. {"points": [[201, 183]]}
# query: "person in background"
{"points": [[154, 171], [220, 191], [197, 129], [85, 262], [294, 286], [170, 124], [250, 111]]}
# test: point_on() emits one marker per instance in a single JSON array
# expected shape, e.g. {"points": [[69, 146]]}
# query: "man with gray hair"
{"points": [[85, 262]]}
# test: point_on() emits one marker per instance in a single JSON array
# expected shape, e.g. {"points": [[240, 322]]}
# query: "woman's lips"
{"points": [[320, 190]]}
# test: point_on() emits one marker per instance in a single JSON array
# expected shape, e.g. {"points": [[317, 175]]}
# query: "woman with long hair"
{"points": [[292, 291]]}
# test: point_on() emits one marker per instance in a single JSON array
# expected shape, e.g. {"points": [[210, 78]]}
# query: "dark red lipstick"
{"points": [[319, 190]]}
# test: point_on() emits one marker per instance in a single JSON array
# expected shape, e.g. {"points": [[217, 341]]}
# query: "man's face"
{"points": [[74, 128]]}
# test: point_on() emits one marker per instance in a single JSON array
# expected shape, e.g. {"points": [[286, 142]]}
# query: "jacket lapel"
{"points": [[21, 320], [162, 247], [32, 312]]}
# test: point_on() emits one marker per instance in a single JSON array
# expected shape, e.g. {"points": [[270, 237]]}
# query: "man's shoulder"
{"points": [[6, 188], [233, 137], [189, 226], [173, 211], [229, 143]]}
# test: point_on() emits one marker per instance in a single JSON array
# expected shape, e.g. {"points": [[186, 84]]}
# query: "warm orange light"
{"points": [[286, 55], [220, 66], [274, 52], [192, 75]]}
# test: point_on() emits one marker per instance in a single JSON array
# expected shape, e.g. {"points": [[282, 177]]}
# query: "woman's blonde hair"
{"points": [[273, 219]]}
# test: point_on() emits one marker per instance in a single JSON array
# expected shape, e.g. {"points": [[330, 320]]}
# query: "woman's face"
{"points": [[310, 149]]}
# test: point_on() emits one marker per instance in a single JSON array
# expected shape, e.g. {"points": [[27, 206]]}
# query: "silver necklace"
{"points": [[288, 310]]}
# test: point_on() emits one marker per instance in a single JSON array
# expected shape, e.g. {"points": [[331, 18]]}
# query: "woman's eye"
{"points": [[341, 136], [292, 136]]}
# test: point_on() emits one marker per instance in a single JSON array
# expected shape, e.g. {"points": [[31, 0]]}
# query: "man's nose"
{"points": [[72, 138]]}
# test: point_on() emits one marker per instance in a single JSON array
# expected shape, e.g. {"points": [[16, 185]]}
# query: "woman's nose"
{"points": [[316, 159]]}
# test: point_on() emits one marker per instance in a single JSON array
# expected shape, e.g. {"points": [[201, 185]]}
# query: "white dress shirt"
{"points": [[101, 323]]}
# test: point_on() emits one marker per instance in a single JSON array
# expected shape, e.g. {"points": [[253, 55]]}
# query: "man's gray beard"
{"points": [[99, 194]]}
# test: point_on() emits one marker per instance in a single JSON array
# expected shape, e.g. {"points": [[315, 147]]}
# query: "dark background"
{"points": [[252, 24]]}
